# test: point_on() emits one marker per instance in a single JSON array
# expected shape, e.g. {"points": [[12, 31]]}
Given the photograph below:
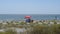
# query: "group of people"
{"points": [[28, 19]]}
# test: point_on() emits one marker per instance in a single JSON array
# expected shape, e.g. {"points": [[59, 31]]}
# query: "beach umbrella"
{"points": [[27, 16]]}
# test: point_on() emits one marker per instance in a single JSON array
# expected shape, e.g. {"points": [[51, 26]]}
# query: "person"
{"points": [[28, 20], [32, 21]]}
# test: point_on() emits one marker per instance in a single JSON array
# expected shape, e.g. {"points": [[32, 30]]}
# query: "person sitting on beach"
{"points": [[32, 21], [28, 20]]}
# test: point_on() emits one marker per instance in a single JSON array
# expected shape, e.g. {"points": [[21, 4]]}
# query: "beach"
{"points": [[17, 24]]}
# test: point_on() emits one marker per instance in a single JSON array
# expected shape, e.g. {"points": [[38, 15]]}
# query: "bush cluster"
{"points": [[42, 29]]}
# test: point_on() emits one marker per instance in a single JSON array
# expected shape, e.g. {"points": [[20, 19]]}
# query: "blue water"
{"points": [[33, 16]]}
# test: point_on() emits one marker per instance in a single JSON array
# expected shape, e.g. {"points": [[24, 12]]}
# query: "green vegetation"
{"points": [[42, 29], [39, 29], [35, 28], [10, 31]]}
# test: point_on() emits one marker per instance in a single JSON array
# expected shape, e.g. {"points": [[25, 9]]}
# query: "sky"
{"points": [[29, 6]]}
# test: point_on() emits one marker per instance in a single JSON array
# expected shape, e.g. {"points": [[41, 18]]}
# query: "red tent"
{"points": [[27, 16]]}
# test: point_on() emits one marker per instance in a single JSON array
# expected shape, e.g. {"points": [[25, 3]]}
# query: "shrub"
{"points": [[42, 29], [10, 31]]}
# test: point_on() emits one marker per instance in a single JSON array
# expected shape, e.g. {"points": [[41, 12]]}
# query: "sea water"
{"points": [[33, 16]]}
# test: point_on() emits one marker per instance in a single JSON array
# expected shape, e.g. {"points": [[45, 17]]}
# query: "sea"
{"points": [[33, 16]]}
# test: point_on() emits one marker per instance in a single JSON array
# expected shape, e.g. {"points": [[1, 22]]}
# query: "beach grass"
{"points": [[35, 28]]}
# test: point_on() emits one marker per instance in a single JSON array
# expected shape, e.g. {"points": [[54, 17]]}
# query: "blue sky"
{"points": [[29, 6]]}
